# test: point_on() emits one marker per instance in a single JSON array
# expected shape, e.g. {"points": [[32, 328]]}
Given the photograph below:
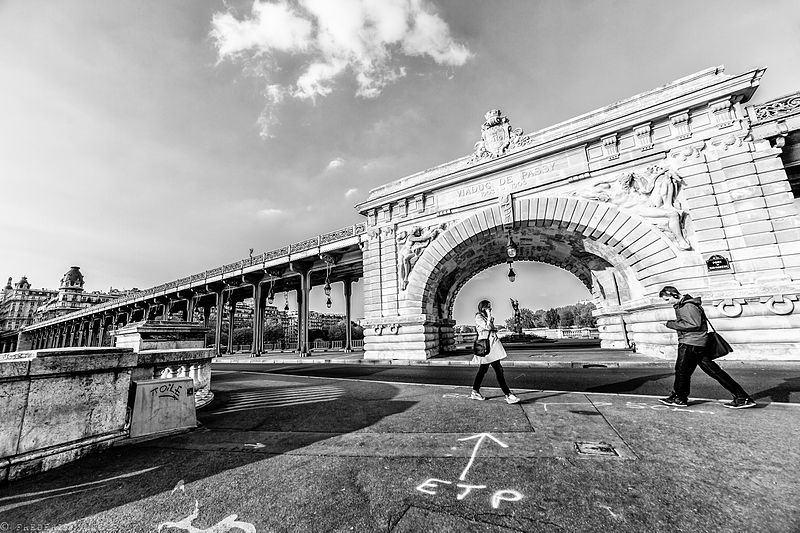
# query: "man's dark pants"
{"points": [[689, 358]]}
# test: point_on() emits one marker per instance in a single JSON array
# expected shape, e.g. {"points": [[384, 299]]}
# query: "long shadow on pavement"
{"points": [[127, 474], [628, 385]]}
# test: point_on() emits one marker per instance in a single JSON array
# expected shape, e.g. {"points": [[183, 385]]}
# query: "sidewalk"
{"points": [[560, 354], [291, 453]]}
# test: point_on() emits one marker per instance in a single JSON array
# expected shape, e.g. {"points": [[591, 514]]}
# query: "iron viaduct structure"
{"points": [[683, 185]]}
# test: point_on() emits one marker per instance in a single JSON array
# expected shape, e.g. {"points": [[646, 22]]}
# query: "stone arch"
{"points": [[643, 254]]}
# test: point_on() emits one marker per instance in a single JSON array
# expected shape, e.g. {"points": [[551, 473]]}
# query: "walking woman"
{"points": [[692, 328], [484, 322]]}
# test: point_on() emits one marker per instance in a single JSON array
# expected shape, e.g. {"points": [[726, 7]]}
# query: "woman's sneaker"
{"points": [[673, 401], [510, 398], [476, 396], [741, 403]]}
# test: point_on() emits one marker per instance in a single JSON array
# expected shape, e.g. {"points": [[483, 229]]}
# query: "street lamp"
{"points": [[286, 298], [271, 293], [511, 246], [511, 275]]}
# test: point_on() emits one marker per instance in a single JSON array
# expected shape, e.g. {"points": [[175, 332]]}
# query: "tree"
{"points": [[338, 332], [552, 318], [273, 333], [566, 317], [243, 335], [527, 320], [583, 315], [314, 334]]}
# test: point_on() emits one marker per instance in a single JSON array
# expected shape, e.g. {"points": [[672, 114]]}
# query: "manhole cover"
{"points": [[595, 448]]}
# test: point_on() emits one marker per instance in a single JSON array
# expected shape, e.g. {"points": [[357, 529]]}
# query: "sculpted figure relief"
{"points": [[412, 244], [652, 194]]}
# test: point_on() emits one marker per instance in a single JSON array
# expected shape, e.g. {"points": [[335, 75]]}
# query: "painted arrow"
{"points": [[481, 437], [256, 445]]}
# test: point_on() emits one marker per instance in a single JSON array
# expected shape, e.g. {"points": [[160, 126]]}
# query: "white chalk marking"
{"points": [[481, 437], [507, 495], [223, 526], [469, 488], [432, 484], [178, 487], [256, 445], [596, 404]]}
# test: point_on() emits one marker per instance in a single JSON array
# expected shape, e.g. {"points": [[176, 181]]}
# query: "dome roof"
{"points": [[73, 278]]}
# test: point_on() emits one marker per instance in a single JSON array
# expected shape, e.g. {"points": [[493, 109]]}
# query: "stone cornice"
{"points": [[683, 94]]}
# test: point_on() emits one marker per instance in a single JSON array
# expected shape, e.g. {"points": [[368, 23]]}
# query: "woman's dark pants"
{"points": [[689, 358], [498, 370]]}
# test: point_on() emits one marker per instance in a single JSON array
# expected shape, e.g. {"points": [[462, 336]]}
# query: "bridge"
{"points": [[683, 185]]}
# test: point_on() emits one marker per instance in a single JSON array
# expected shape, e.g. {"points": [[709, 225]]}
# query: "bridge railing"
{"points": [[201, 278]]}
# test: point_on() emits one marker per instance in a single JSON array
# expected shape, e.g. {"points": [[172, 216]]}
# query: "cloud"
{"points": [[350, 193], [269, 212], [336, 163], [309, 43]]}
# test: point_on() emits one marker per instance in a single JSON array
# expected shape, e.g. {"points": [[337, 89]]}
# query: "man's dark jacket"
{"points": [[691, 324]]}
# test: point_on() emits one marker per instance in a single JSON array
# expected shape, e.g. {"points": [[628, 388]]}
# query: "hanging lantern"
{"points": [[327, 288], [511, 274], [286, 298], [271, 293], [511, 247], [328, 303]]}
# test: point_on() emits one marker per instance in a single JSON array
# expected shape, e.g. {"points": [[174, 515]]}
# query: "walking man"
{"points": [[692, 328]]}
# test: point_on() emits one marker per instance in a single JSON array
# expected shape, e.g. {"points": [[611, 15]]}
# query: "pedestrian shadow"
{"points": [[127, 474], [780, 393], [629, 385]]}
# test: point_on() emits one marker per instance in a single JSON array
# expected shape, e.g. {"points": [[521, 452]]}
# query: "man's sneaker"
{"points": [[673, 401], [510, 398], [476, 396], [741, 403]]}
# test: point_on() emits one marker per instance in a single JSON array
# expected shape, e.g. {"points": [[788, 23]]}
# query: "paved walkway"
{"points": [[558, 354], [288, 453]]}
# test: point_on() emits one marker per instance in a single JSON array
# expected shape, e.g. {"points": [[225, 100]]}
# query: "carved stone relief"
{"points": [[497, 137], [412, 244], [651, 193]]}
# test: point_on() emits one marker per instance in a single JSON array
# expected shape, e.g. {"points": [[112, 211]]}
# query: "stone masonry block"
{"points": [[705, 212], [744, 218], [779, 199], [757, 265], [727, 209], [746, 193], [713, 246], [697, 180], [781, 211], [569, 211], [481, 222], [727, 159], [700, 202], [772, 176], [707, 223], [604, 222], [776, 187], [558, 213], [766, 165], [791, 261], [693, 170], [789, 248], [758, 239], [594, 221], [755, 252], [786, 223], [541, 210], [752, 228], [718, 177], [748, 205], [709, 234], [700, 190], [750, 180], [552, 203], [661, 256], [580, 209], [788, 235], [583, 223], [629, 225], [609, 229]]}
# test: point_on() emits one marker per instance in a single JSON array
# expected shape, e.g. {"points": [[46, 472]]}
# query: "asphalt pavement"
{"points": [[299, 453]]}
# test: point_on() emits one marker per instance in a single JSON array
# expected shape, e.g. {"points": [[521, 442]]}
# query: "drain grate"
{"points": [[595, 448]]}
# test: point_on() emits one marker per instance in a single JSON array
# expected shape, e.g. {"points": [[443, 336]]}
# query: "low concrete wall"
{"points": [[59, 404]]}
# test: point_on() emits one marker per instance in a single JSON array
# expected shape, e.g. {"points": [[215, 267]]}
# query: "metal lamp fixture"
{"points": [[271, 293], [511, 274], [328, 303], [286, 298], [511, 247]]}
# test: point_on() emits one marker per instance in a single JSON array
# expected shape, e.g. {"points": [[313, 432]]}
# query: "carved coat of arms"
{"points": [[497, 136]]}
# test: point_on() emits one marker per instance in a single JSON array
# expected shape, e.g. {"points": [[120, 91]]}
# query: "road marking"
{"points": [[481, 437], [596, 404]]}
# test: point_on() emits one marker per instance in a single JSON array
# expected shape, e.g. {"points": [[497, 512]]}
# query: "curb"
{"points": [[794, 365]]}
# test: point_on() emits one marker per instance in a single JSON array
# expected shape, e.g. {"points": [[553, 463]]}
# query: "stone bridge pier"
{"points": [[677, 186]]}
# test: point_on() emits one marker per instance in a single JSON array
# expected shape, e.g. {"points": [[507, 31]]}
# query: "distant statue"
{"points": [[517, 316], [652, 194], [412, 246]]}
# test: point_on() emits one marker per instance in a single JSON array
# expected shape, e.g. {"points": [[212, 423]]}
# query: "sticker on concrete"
{"points": [[433, 486]]}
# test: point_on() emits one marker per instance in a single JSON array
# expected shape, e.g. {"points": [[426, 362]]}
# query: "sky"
{"points": [[148, 140]]}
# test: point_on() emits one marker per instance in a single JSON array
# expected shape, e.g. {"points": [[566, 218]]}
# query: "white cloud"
{"points": [[269, 212], [336, 163], [350, 193], [361, 37]]}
